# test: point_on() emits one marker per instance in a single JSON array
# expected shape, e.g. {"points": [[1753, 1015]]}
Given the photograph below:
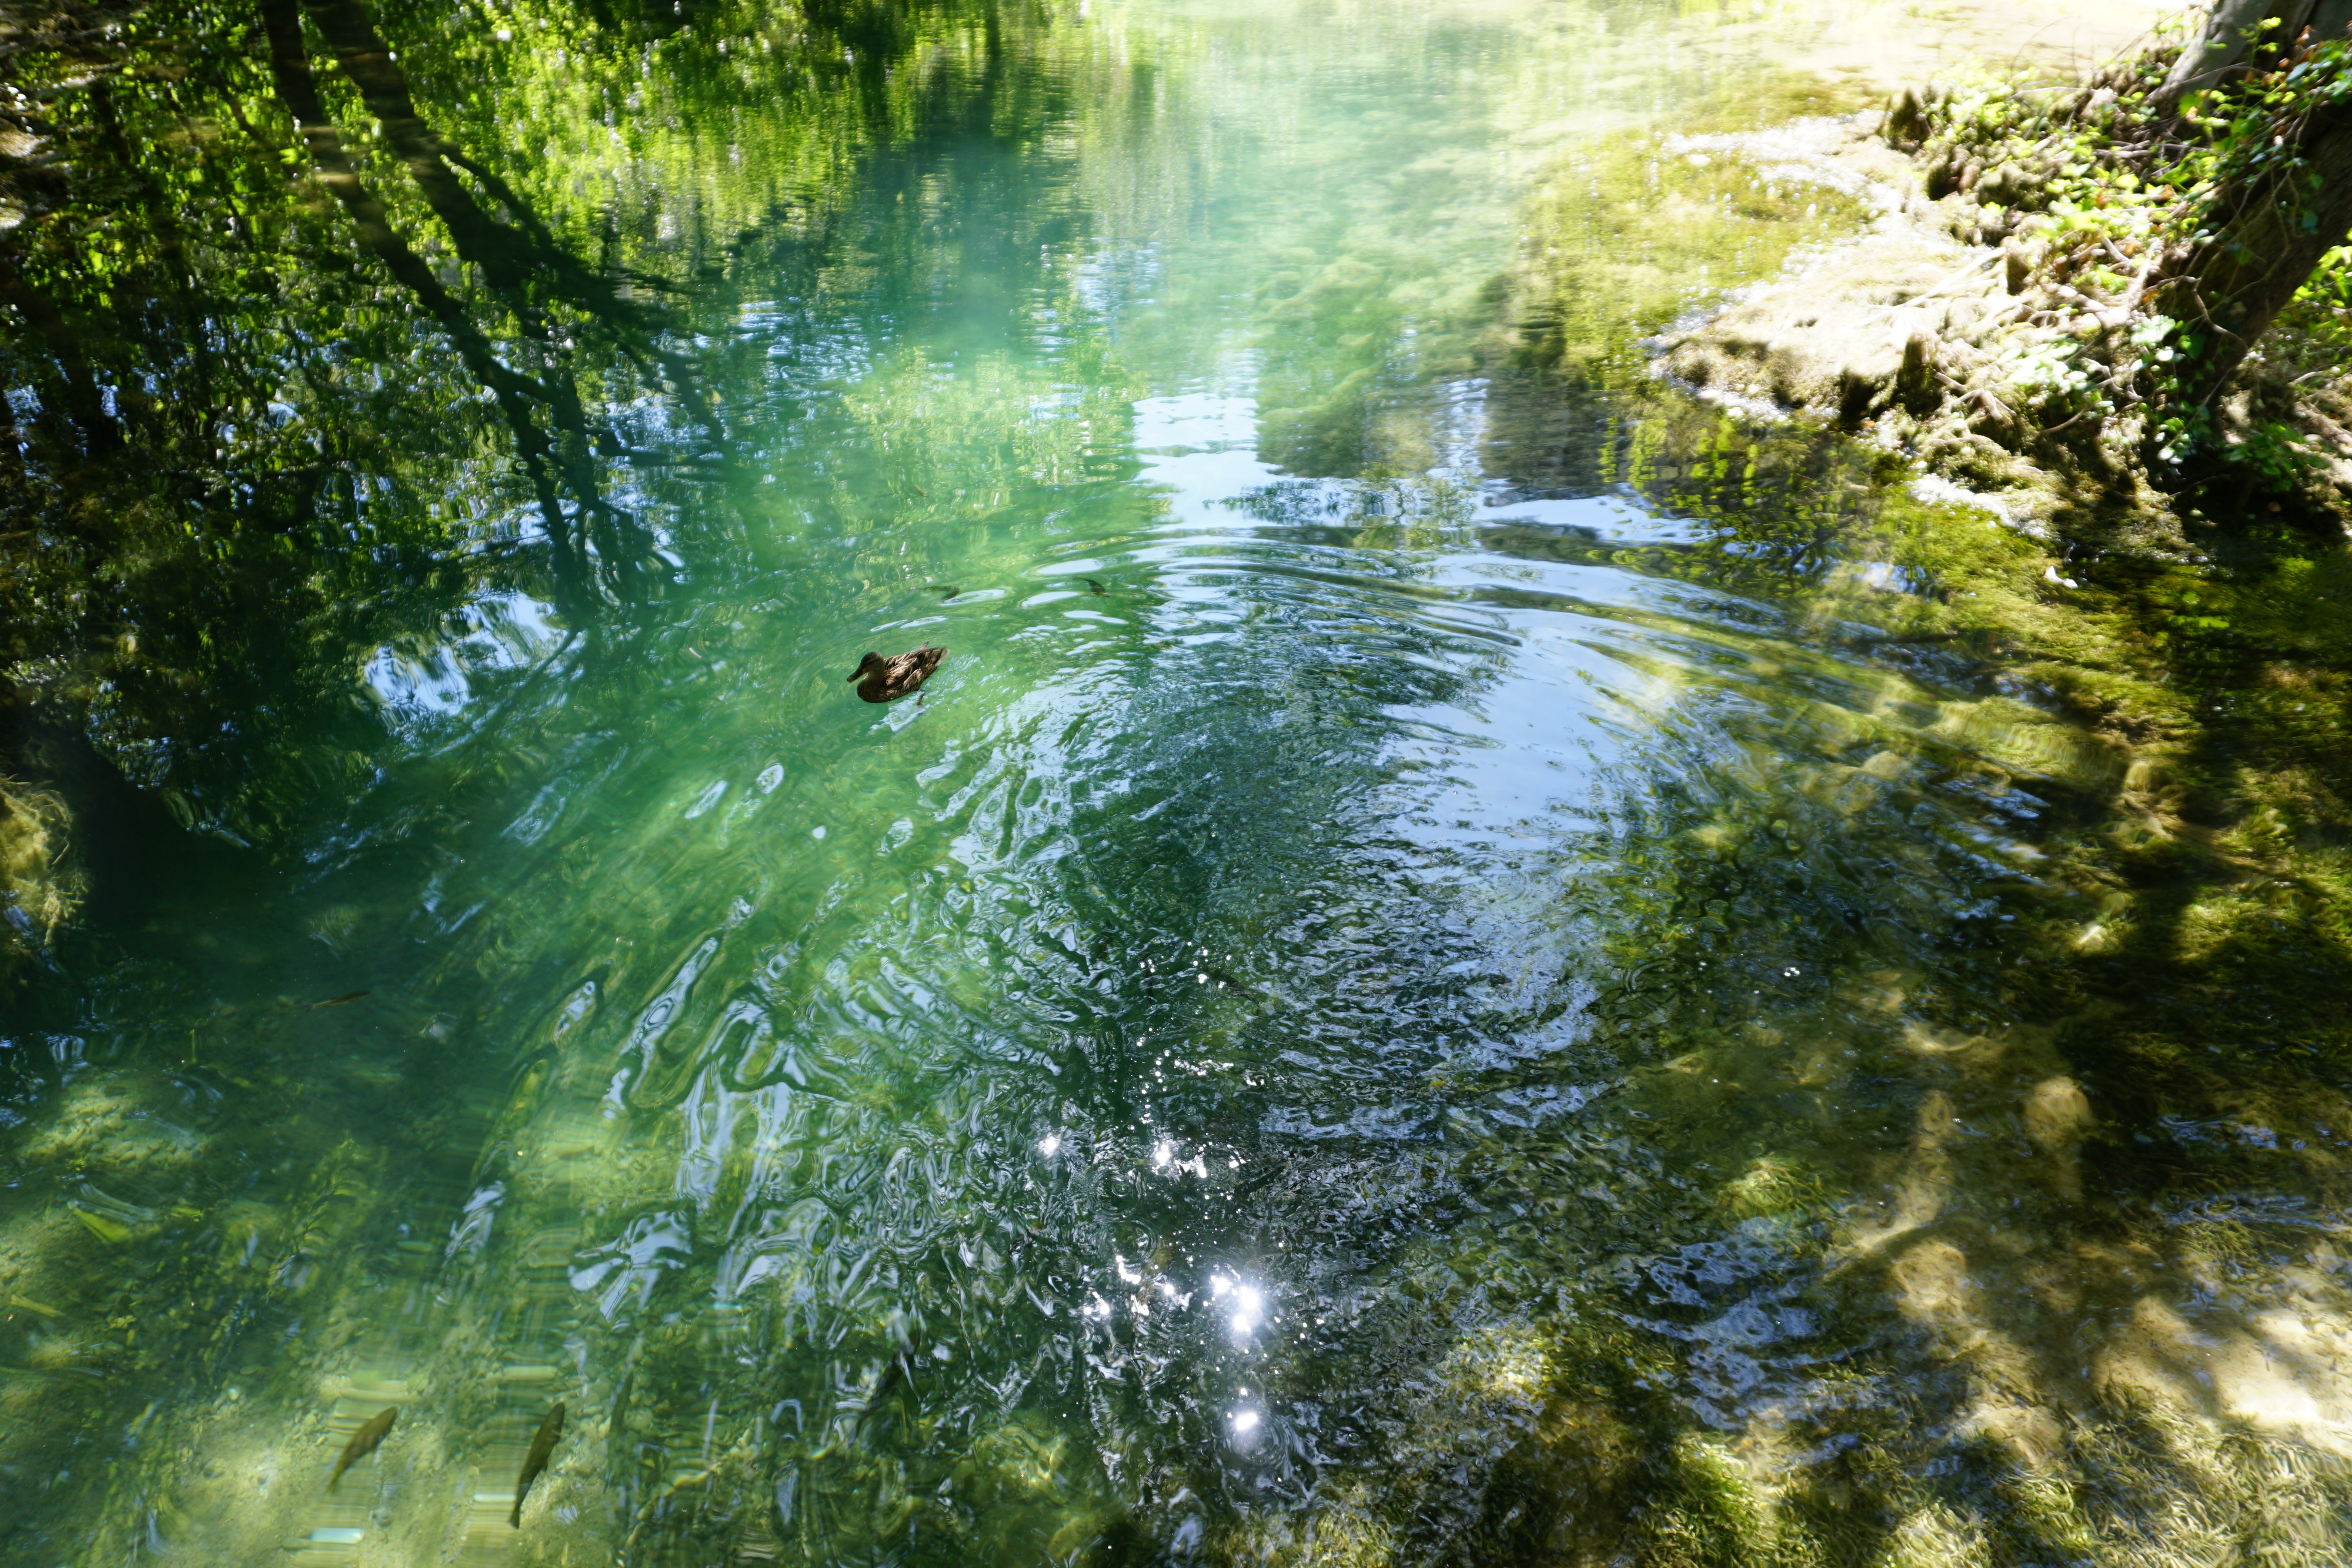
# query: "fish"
{"points": [[887, 1382], [616, 1420], [948, 589], [1908, 640], [549, 1430], [1090, 582], [1225, 979], [346, 1000], [364, 1442]]}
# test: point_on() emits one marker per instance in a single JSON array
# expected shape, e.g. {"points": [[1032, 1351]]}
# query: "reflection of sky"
{"points": [[1607, 516], [436, 680], [1244, 1304], [1203, 447], [1557, 705], [1567, 688]]}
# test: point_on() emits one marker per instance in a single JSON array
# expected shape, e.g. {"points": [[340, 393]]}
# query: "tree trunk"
{"points": [[2268, 237], [2229, 45]]}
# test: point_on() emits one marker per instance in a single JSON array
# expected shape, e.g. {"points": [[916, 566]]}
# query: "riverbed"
{"points": [[1432, 979]]}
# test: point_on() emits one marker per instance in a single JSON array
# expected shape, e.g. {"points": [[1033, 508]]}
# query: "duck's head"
{"points": [[871, 662]]}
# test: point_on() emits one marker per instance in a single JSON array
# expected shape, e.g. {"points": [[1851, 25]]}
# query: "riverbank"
{"points": [[1980, 331], [1990, 325], [1999, 322]]}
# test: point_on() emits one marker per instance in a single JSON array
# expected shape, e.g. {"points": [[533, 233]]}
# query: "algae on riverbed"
{"points": [[39, 886]]}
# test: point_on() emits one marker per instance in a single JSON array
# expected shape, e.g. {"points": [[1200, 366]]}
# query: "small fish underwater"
{"points": [[550, 1431], [886, 1381], [364, 1441]]}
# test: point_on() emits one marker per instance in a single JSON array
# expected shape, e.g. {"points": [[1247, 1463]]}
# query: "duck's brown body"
{"points": [[881, 680]]}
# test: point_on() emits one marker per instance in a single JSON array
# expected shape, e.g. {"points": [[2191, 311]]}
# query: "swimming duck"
{"points": [[881, 680]]}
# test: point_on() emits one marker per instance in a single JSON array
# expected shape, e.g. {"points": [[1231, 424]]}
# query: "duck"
{"points": [[881, 680]]}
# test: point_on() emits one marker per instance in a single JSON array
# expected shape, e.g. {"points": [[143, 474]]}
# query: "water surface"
{"points": [[1423, 984]]}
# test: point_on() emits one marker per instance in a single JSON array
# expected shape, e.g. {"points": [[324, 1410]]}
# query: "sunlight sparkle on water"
{"points": [[1245, 1310]]}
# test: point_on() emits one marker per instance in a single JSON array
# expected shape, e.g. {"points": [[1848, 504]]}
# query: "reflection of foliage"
{"points": [[992, 438], [1781, 502], [1374, 513], [524, 275], [278, 398]]}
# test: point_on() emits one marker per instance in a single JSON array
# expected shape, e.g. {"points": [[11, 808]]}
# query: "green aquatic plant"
{"points": [[1710, 1514], [39, 888], [1772, 1186]]}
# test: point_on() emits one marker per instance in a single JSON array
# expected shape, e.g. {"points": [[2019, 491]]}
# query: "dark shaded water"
{"points": [[1401, 997]]}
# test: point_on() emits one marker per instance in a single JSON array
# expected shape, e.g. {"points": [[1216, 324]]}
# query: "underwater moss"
{"points": [[1710, 1513], [39, 888], [1629, 231], [1771, 1185]]}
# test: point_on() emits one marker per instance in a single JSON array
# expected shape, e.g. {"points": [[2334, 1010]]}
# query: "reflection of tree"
{"points": [[518, 261], [517, 394], [336, 481], [231, 466], [516, 256], [260, 426], [83, 402]]}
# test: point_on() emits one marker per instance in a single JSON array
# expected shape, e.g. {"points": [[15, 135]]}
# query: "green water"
{"points": [[1407, 993]]}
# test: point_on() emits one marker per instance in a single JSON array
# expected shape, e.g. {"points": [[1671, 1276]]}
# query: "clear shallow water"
{"points": [[1393, 1002]]}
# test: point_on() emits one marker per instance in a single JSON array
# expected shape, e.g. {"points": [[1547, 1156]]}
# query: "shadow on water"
{"points": [[2095, 1109]]}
